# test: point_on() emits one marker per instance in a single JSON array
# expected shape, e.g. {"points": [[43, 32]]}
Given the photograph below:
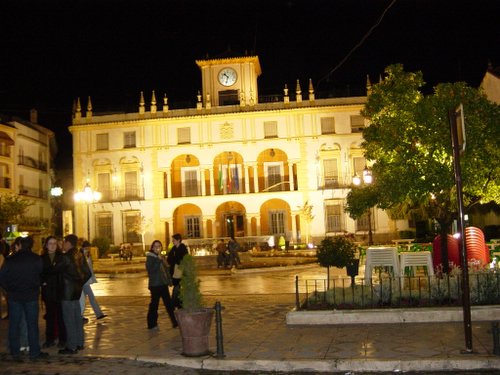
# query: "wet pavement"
{"points": [[256, 336]]}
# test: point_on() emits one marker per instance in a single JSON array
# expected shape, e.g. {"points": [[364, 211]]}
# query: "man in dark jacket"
{"points": [[74, 272], [20, 277], [174, 257]]}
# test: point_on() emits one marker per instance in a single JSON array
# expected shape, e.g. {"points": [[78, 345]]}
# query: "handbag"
{"points": [[177, 272]]}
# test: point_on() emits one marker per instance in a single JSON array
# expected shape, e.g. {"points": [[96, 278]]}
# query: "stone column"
{"points": [[257, 222], [255, 179], [169, 182], [202, 181], [290, 176], [247, 180], [212, 186]]}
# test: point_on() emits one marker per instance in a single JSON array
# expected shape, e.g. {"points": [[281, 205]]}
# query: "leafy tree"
{"points": [[409, 141], [337, 251], [12, 208]]}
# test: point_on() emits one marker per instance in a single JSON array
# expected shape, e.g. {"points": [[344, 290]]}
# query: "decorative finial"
{"points": [[298, 91], [141, 103], [311, 91], [78, 106], [199, 104], [89, 108], [368, 85], [286, 98], [165, 103], [153, 102], [208, 103]]}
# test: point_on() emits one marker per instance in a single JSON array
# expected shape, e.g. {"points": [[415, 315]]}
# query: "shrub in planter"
{"points": [[194, 320], [337, 251]]}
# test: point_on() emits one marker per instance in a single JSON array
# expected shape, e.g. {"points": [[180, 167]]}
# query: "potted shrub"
{"points": [[194, 320], [339, 252]]}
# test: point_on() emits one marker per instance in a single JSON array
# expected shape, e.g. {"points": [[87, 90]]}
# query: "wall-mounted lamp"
{"points": [[272, 153], [188, 158]]}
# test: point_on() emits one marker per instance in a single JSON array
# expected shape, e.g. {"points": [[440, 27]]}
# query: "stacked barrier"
{"points": [[453, 252], [476, 246]]}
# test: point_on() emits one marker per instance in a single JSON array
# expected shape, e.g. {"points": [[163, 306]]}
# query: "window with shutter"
{"points": [[333, 218], [277, 220], [190, 182], [270, 129], [192, 224], [104, 185], [183, 136], [105, 225], [102, 141], [357, 123], [330, 173], [327, 125], [129, 139]]}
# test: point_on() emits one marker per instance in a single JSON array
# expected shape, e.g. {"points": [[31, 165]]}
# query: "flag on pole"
{"points": [[229, 178], [221, 185], [236, 179]]}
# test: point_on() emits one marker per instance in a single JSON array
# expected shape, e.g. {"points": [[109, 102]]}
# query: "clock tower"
{"points": [[230, 81]]}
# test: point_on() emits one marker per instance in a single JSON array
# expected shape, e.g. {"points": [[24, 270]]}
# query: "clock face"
{"points": [[227, 77]]}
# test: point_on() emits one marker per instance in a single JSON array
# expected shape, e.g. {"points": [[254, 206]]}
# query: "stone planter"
{"points": [[195, 329]]}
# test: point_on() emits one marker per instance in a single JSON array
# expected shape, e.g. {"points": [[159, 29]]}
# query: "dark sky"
{"points": [[54, 51]]}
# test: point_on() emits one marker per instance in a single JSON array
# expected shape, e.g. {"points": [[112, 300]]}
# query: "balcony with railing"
{"points": [[119, 195], [5, 182], [33, 192], [28, 161]]}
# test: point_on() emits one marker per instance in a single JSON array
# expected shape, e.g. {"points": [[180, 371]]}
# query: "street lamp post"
{"points": [[56, 194], [367, 179], [88, 196]]}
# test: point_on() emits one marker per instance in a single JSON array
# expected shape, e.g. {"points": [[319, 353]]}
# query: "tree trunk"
{"points": [[443, 232], [328, 278]]}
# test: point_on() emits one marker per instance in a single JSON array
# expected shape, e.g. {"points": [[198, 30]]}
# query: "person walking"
{"points": [[54, 324], [20, 277], [159, 280], [74, 274], [234, 247], [87, 288], [174, 259]]}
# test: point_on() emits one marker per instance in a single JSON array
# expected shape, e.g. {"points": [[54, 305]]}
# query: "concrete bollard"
{"points": [[495, 330]]}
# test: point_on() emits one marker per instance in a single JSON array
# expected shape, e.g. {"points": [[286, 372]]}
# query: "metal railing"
{"points": [[396, 292], [32, 163]]}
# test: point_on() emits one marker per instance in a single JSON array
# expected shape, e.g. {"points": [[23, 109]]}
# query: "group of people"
{"points": [[227, 254], [62, 274], [163, 272]]}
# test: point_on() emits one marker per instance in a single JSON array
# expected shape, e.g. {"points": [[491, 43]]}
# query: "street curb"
{"points": [[391, 316], [329, 365]]}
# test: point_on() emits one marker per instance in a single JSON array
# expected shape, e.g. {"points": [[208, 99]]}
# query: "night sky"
{"points": [[54, 51]]}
